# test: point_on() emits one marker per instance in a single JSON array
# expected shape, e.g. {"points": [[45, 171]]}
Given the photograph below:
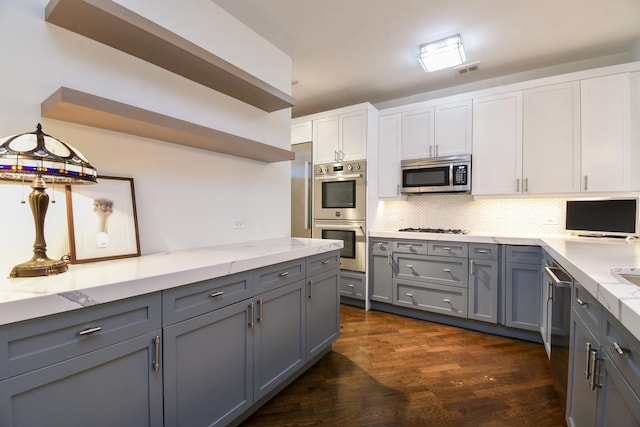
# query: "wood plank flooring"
{"points": [[387, 370]]}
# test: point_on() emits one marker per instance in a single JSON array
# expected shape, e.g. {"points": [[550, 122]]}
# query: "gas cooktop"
{"points": [[434, 230]]}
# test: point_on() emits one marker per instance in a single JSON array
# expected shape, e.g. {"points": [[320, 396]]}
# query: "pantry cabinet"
{"points": [[497, 144], [389, 141], [551, 139]]}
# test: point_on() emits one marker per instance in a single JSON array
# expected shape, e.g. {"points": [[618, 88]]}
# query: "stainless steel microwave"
{"points": [[437, 175]]}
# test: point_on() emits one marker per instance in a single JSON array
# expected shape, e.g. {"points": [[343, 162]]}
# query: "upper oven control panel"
{"points": [[337, 168]]}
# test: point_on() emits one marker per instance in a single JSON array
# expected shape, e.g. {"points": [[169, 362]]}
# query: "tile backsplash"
{"points": [[519, 216]]}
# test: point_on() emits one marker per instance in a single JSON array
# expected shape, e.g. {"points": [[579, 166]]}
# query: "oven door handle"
{"points": [[338, 177], [341, 226]]}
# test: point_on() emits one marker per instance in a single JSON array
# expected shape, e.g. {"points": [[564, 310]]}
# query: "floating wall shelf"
{"points": [[78, 107], [116, 26]]}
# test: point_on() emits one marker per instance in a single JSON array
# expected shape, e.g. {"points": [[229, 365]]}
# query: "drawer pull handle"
{"points": [[350, 285], [483, 251], [284, 274], [409, 295], [446, 248], [325, 262], [379, 244], [447, 300], [618, 349], [580, 302], [216, 294], [156, 362], [409, 266], [90, 331], [446, 270], [409, 246]]}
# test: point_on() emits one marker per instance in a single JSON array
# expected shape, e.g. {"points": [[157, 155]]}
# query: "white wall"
{"points": [[185, 197]]}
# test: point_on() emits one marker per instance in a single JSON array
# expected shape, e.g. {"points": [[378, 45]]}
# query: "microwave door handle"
{"points": [[451, 183]]}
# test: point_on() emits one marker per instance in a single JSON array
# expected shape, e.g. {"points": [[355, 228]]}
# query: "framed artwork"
{"points": [[102, 220]]}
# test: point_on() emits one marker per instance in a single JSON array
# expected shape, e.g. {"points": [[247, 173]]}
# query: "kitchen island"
{"points": [[194, 337]]}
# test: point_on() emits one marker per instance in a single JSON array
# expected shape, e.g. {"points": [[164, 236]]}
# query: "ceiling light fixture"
{"points": [[441, 54]]}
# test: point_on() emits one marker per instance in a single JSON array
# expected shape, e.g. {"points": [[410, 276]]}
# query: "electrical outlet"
{"points": [[237, 223], [550, 221], [393, 217]]}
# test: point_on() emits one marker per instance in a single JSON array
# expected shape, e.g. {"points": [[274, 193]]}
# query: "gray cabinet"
{"points": [[322, 307], [76, 367], [381, 270], [604, 374], [523, 281], [483, 282]]}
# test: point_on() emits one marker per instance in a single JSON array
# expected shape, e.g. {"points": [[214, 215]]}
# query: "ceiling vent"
{"points": [[466, 68]]}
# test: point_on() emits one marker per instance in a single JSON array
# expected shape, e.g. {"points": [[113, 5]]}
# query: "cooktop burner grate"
{"points": [[434, 230]]}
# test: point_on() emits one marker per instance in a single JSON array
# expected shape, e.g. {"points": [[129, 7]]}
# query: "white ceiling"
{"points": [[350, 51]]}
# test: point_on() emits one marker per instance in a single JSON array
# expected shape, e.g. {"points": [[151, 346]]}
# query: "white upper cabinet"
{"points": [[551, 139], [301, 132], [497, 144], [418, 133], [436, 131], [389, 137], [340, 137], [606, 133], [453, 128]]}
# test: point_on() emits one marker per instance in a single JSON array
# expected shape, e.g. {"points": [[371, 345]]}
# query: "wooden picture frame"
{"points": [[102, 220]]}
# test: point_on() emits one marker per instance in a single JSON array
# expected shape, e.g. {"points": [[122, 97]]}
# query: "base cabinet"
{"points": [[523, 281], [381, 271], [323, 312], [483, 282]]}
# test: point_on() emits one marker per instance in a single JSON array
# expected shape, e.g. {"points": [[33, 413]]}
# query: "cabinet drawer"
{"points": [[192, 300], [524, 254], [379, 246], [32, 344], [352, 285], [623, 349], [587, 307], [434, 269], [277, 275], [447, 300], [320, 263], [455, 249], [486, 251], [411, 247]]}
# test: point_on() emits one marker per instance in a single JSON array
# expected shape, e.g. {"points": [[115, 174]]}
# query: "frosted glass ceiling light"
{"points": [[40, 158], [441, 54]]}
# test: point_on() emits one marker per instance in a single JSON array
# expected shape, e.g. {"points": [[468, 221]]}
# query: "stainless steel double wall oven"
{"points": [[340, 209]]}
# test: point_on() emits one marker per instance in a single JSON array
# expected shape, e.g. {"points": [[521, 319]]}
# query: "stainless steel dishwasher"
{"points": [[556, 321]]}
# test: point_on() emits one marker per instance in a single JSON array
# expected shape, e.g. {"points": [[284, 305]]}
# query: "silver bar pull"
{"points": [[216, 294], [251, 306], [549, 291], [471, 267], [586, 183], [284, 274], [409, 246], [526, 185], [389, 258], [310, 288], [259, 319], [397, 189], [156, 362], [90, 331], [410, 295], [350, 285], [379, 244], [580, 302], [436, 150], [482, 251], [517, 185], [587, 368], [594, 369], [447, 300], [446, 248], [446, 270], [430, 150], [409, 266], [325, 262], [618, 349]]}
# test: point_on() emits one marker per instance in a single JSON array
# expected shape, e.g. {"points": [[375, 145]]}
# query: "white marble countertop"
{"points": [[106, 281], [592, 261]]}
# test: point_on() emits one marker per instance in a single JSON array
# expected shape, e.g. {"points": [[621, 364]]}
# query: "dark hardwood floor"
{"points": [[388, 370]]}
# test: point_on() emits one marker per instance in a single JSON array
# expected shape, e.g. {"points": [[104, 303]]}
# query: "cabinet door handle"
{"points": [[446, 248], [517, 185], [586, 182], [594, 369], [580, 302], [251, 306], [90, 331], [216, 294], [471, 268], [409, 266], [447, 300], [446, 270], [350, 285], [284, 274], [310, 288], [325, 262], [618, 349], [156, 362], [525, 187], [409, 246], [410, 295], [482, 251], [587, 368], [259, 318], [549, 291], [430, 150], [389, 261]]}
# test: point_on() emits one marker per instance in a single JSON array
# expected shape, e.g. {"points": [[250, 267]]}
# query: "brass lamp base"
{"points": [[39, 267]]}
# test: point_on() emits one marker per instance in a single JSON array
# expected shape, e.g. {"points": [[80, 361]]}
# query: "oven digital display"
{"points": [[339, 194]]}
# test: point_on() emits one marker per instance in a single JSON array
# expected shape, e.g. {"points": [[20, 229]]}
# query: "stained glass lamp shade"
{"points": [[42, 159]]}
